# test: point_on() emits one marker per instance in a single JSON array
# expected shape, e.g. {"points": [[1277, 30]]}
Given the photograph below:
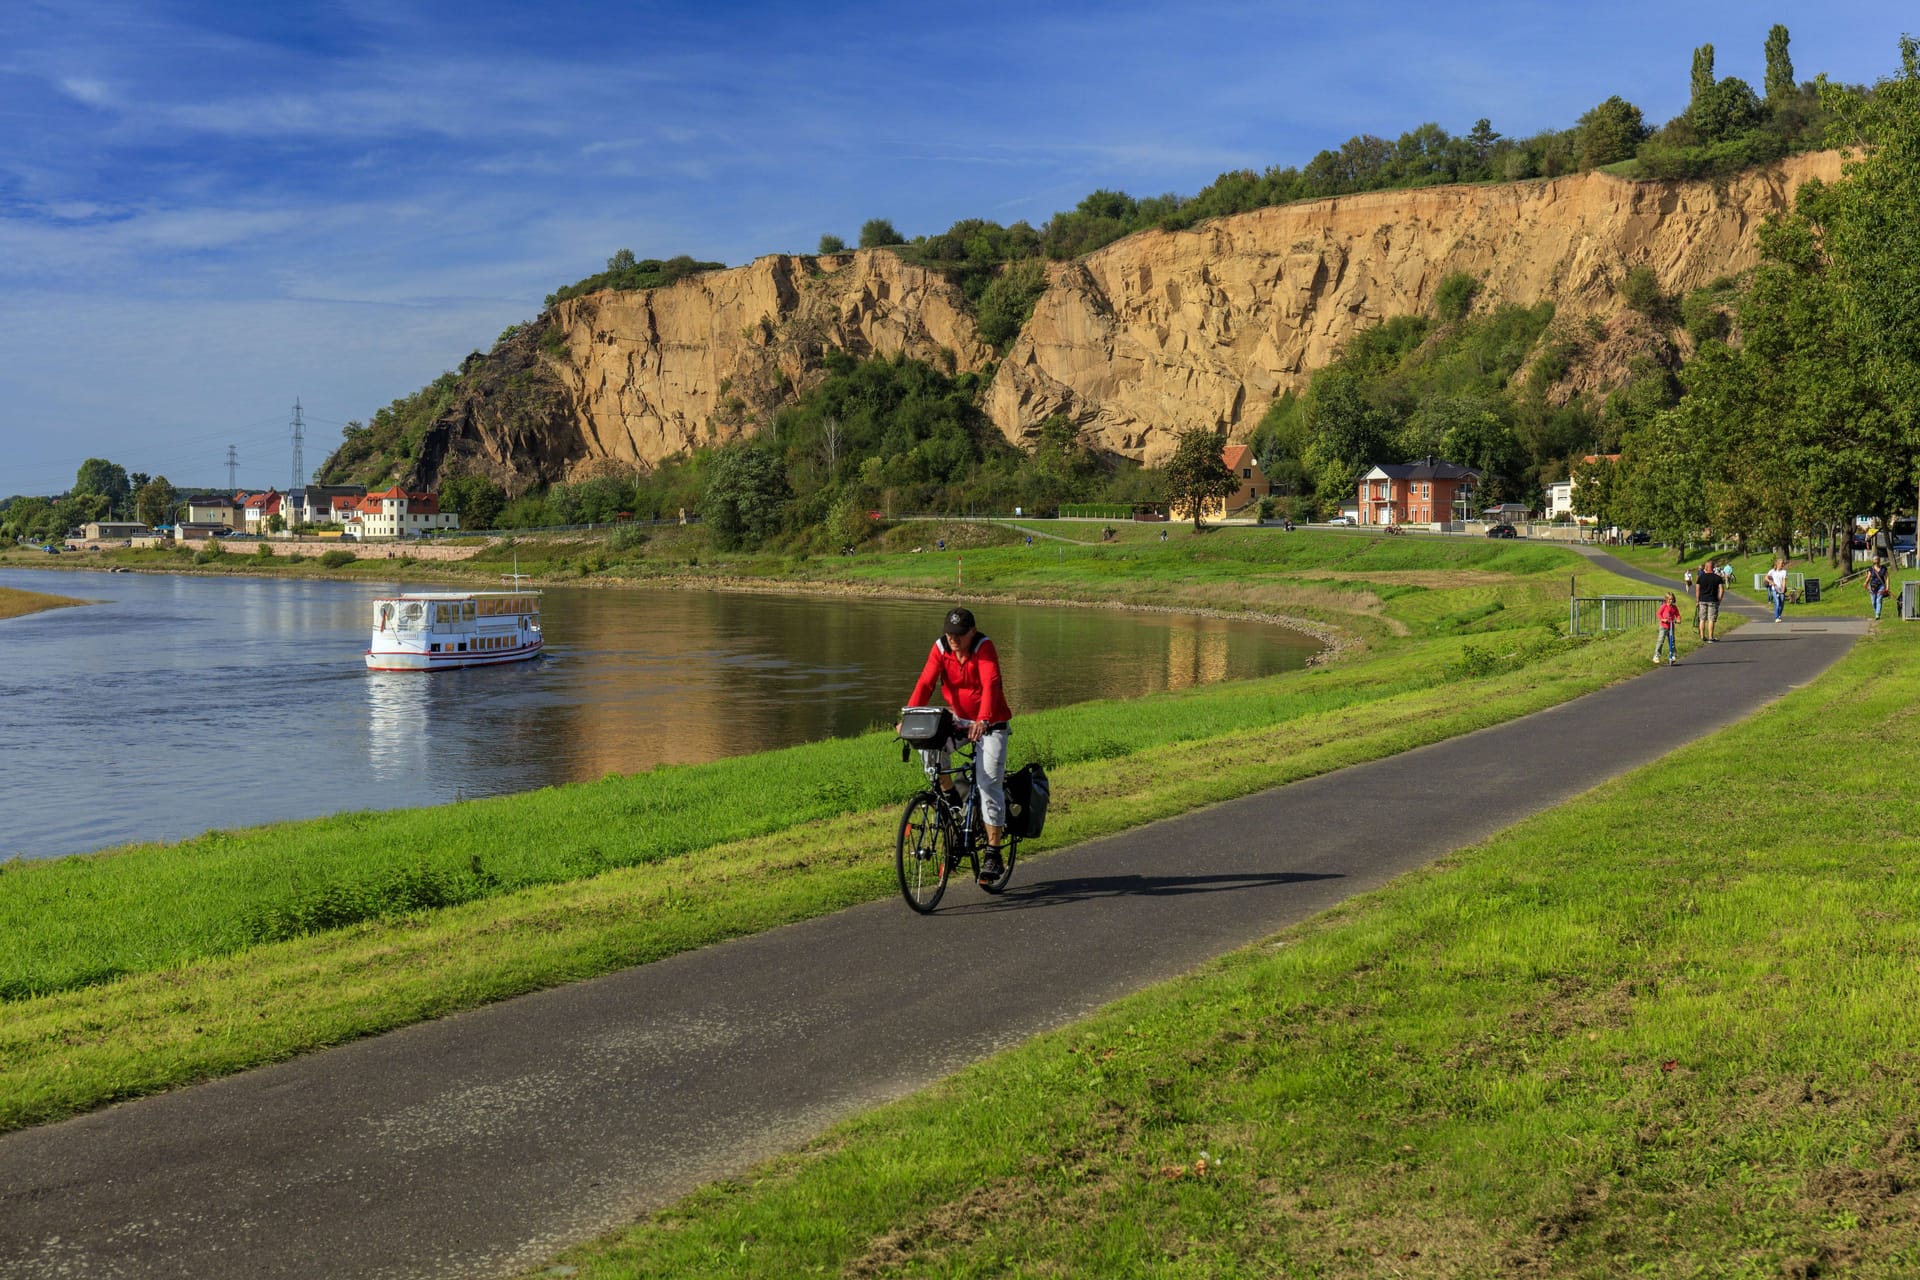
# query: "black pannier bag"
{"points": [[926, 727], [1027, 795]]}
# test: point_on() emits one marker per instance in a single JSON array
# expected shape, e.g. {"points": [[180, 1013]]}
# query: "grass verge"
{"points": [[1666, 1030]]}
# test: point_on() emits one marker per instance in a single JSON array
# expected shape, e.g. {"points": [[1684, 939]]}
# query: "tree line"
{"points": [[1807, 413]]}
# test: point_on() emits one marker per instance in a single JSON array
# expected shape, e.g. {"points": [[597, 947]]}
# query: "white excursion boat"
{"points": [[433, 630]]}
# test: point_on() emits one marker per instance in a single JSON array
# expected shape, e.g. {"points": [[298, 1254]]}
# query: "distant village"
{"points": [[317, 511]]}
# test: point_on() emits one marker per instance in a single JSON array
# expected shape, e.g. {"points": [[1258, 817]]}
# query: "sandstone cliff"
{"points": [[1164, 331], [1137, 342]]}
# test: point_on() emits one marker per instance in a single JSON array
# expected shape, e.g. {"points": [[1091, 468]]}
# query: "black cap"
{"points": [[959, 622]]}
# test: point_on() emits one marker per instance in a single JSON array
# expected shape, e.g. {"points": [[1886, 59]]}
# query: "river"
{"points": [[178, 704]]}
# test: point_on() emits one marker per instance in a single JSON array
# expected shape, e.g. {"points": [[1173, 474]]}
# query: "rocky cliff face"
{"points": [[655, 373], [1135, 343], [1163, 332]]}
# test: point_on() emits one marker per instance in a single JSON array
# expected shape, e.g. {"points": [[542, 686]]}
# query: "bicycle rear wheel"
{"points": [[920, 853]]}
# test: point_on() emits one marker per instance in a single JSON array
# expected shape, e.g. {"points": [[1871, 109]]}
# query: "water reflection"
{"points": [[198, 702]]}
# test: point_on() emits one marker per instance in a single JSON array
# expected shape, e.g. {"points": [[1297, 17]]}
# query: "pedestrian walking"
{"points": [[1707, 586], [1777, 587], [1668, 616], [1877, 585]]}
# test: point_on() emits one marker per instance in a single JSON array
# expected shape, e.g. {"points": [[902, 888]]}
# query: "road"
{"points": [[484, 1143]]}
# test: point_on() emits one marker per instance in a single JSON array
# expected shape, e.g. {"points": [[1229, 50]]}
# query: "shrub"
{"points": [[1454, 298], [337, 557], [1641, 292]]}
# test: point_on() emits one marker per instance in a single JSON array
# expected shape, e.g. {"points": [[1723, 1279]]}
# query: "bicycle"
{"points": [[940, 829]]}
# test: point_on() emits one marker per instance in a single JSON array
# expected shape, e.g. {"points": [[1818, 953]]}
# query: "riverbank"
{"points": [[15, 603], [323, 934]]}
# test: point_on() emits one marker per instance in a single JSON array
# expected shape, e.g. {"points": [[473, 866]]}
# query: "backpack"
{"points": [[1027, 795]]}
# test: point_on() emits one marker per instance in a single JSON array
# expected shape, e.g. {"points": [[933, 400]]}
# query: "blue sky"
{"points": [[210, 208]]}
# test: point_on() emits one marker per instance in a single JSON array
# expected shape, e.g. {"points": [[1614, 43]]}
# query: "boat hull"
{"points": [[413, 660]]}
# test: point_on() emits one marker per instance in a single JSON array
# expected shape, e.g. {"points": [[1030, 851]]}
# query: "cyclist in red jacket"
{"points": [[966, 667]]}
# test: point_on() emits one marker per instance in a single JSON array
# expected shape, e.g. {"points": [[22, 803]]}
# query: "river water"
{"points": [[178, 704]]}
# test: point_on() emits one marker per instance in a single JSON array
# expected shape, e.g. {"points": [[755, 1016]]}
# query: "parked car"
{"points": [[1639, 538], [50, 549], [1340, 520], [1502, 531]]}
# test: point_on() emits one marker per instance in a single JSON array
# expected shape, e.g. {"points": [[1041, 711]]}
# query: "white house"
{"points": [[395, 513], [1560, 500]]}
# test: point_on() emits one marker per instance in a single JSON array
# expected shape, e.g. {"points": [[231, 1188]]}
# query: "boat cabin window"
{"points": [[383, 616], [413, 616]]}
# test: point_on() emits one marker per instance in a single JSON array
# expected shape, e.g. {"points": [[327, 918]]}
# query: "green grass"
{"points": [[1667, 1029], [344, 926]]}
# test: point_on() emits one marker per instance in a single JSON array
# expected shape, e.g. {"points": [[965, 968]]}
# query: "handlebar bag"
{"points": [[928, 728]]}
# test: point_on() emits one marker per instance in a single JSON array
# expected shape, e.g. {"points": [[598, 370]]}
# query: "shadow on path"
{"points": [[1052, 893]]}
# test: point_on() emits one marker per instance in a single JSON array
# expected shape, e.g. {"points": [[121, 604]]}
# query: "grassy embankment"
{"points": [[149, 967], [15, 603], [1668, 1029]]}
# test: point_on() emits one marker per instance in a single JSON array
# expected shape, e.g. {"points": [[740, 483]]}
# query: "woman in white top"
{"points": [[1777, 587]]}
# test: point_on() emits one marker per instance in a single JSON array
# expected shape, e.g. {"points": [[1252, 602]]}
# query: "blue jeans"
{"points": [[1666, 634], [1878, 598], [1779, 602]]}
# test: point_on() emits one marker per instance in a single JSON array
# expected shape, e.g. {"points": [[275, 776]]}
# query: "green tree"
{"points": [[1196, 474], [1610, 132], [1726, 110], [1595, 494], [1007, 303], [1346, 433], [746, 491], [154, 503], [1780, 84], [1702, 73], [622, 260], [876, 232], [830, 244], [477, 500], [107, 479]]}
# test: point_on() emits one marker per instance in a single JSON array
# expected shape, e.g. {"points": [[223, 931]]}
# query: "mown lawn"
{"points": [[1668, 1029]]}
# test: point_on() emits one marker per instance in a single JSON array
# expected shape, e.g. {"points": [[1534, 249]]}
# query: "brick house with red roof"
{"points": [[1424, 492]]}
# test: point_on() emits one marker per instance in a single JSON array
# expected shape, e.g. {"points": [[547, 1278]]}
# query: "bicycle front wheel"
{"points": [[920, 853]]}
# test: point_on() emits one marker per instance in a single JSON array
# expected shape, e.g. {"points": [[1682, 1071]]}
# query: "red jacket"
{"points": [[971, 680]]}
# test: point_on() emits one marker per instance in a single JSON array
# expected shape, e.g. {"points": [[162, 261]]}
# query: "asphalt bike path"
{"points": [[483, 1144]]}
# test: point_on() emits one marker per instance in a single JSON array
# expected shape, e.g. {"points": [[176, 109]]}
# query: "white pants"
{"points": [[989, 769]]}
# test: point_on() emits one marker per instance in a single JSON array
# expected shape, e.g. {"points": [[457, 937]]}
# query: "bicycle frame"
{"points": [[963, 811]]}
